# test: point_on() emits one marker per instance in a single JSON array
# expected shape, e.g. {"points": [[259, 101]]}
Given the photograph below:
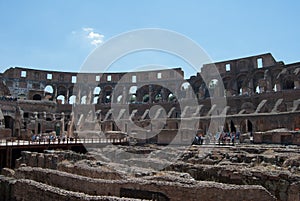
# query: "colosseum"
{"points": [[44, 115]]}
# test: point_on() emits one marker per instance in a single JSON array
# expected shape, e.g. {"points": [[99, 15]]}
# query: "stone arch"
{"points": [[119, 99], [107, 92], [246, 126], [146, 98], [288, 82], [61, 94], [132, 98], [83, 99], [60, 99], [72, 99], [214, 87], [96, 91], [37, 97], [171, 97], [259, 82], [48, 91], [184, 89], [96, 94], [143, 94], [228, 85], [8, 122], [133, 89], [240, 84], [71, 91]]}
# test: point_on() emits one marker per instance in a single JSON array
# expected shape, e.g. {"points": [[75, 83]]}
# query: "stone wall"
{"points": [[208, 191], [282, 184], [28, 190]]}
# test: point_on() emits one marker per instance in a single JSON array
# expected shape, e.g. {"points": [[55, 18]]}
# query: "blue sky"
{"points": [[59, 35]]}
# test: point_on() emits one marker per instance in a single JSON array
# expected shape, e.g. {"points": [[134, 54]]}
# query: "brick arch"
{"points": [[107, 94], [288, 82], [239, 83]]}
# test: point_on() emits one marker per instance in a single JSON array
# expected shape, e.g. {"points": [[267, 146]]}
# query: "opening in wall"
{"points": [[74, 79], [49, 76], [259, 63], [158, 75], [109, 78], [23, 73], [133, 79], [227, 66]]}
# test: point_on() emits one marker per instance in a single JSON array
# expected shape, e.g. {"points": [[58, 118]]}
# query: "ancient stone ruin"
{"points": [[154, 116], [243, 172]]}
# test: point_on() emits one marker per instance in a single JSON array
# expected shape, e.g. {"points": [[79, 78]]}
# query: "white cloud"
{"points": [[87, 29], [94, 37]]}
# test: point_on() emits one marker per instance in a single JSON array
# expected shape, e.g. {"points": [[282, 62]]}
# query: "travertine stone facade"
{"points": [[261, 94]]}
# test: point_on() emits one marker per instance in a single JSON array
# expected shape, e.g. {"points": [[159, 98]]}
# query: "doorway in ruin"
{"points": [[232, 127], [246, 126], [9, 123], [39, 128], [37, 97]]}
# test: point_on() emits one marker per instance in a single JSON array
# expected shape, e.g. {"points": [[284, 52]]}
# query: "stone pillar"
{"points": [[62, 120], [124, 95], [78, 97], [67, 98], [36, 124], [150, 93]]}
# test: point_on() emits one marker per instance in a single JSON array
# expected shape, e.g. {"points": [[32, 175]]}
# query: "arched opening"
{"points": [[97, 91], [60, 99], [275, 88], [107, 94], [288, 84], [48, 92], [232, 126], [257, 90], [158, 97], [72, 99], [226, 127], [39, 128], [119, 99], [37, 97], [171, 97], [8, 122], [185, 86], [48, 89], [250, 126], [213, 84], [132, 98], [213, 87], [146, 98], [83, 99], [95, 100], [246, 126], [133, 90]]}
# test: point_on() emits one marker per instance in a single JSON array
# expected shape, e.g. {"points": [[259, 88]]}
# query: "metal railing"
{"points": [[63, 141]]}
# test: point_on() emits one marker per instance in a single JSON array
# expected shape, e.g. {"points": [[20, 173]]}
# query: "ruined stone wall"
{"points": [[282, 184], [208, 191], [27, 190]]}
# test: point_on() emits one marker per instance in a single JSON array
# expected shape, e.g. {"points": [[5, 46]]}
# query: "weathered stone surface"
{"points": [[7, 172], [207, 191]]}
